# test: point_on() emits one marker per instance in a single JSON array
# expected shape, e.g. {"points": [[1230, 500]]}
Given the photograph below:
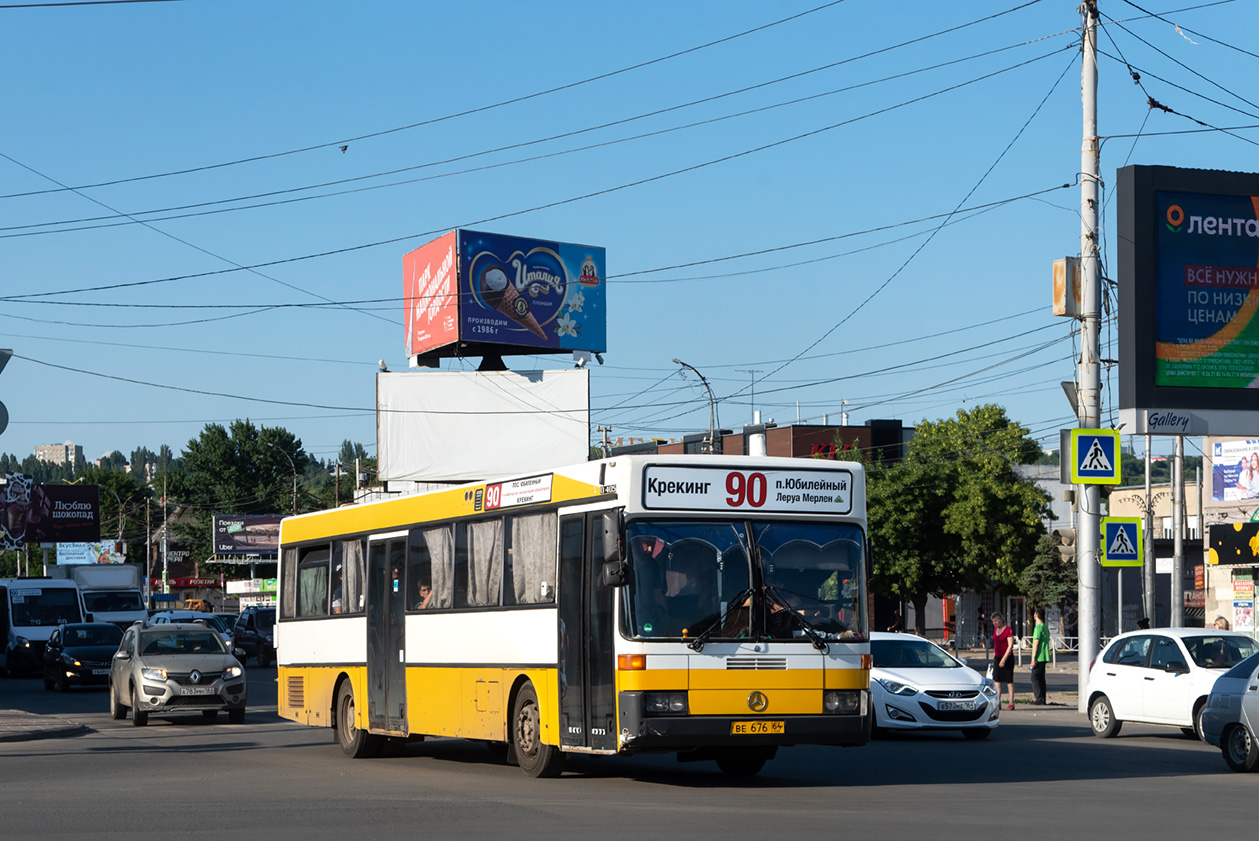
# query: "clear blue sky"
{"points": [[894, 317]]}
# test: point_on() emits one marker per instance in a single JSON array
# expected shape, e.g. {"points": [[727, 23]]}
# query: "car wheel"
{"points": [[264, 658], [48, 682], [116, 710], [1102, 718], [236, 716], [977, 733], [355, 743], [1240, 749], [138, 718], [534, 758], [208, 716], [1198, 712]]}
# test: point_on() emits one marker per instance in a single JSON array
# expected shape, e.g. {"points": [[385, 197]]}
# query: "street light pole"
{"points": [[712, 406], [293, 465]]}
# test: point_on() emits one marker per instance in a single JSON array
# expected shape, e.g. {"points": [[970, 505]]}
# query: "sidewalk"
{"points": [[21, 726], [1060, 677]]}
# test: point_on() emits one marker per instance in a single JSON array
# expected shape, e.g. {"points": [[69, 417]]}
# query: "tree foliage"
{"points": [[1048, 579], [954, 515]]}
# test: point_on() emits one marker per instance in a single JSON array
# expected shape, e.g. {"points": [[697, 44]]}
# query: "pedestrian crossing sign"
{"points": [[1094, 457], [1122, 542]]}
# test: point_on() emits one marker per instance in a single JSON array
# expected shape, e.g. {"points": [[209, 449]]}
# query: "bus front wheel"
{"points": [[534, 758], [356, 743]]}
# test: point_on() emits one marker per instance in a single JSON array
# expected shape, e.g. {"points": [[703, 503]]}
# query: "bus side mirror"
{"points": [[614, 574], [611, 524]]}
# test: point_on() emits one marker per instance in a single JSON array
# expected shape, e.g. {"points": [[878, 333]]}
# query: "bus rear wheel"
{"points": [[356, 743], [534, 758]]}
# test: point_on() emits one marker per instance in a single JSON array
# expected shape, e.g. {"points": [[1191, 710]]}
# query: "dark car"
{"points": [[80, 654], [254, 635]]}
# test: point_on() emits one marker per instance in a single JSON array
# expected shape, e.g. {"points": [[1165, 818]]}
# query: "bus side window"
{"points": [[312, 582], [533, 555], [441, 553], [485, 562]]}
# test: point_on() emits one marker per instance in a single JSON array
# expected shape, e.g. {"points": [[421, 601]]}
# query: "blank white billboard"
{"points": [[435, 426]]}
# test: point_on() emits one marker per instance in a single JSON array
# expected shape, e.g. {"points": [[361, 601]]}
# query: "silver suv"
{"points": [[174, 668]]}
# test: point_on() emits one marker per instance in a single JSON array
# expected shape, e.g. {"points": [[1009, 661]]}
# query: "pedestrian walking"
{"points": [[1003, 658], [1040, 657]]}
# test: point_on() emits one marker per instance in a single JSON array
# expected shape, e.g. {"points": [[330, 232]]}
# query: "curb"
{"points": [[18, 726]]}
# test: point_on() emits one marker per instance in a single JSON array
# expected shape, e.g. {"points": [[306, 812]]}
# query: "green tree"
{"points": [[243, 469], [1048, 579], [125, 489], [955, 515]]}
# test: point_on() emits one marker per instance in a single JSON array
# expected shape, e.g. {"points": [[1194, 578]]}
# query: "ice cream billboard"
{"points": [[245, 534], [31, 513], [432, 312], [513, 295]]}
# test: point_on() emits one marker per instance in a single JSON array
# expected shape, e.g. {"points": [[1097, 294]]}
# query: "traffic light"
{"points": [[1064, 544]]}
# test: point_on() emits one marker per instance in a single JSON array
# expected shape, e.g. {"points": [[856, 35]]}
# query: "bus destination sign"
{"points": [[728, 489], [519, 492]]}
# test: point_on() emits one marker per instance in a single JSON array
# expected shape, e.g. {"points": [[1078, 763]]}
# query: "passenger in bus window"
{"points": [[424, 594]]}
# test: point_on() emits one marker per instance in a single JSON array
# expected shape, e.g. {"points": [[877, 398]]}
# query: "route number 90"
{"points": [[751, 489]]}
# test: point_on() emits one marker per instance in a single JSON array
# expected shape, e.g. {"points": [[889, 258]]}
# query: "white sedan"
{"points": [[1231, 719], [917, 685], [1161, 676]]}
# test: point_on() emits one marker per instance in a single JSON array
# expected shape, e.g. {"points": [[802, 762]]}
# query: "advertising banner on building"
{"points": [[246, 534], [1234, 544], [32, 513], [1235, 470], [69, 554]]}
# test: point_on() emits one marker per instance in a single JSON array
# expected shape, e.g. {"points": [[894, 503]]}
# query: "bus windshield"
{"points": [[37, 605], [744, 580]]}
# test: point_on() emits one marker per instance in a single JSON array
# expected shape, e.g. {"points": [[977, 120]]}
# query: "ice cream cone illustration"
{"points": [[499, 293]]}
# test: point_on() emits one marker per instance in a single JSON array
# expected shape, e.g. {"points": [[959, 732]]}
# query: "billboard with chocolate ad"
{"points": [[32, 513], [511, 295]]}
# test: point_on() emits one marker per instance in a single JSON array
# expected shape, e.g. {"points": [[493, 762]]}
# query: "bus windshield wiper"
{"points": [[697, 644], [814, 635]]}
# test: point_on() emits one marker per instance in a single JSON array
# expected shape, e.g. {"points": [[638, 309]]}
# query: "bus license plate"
{"points": [[757, 728], [196, 690], [956, 706]]}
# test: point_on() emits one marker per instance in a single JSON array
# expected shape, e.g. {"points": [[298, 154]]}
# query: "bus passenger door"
{"points": [[386, 669], [587, 693]]}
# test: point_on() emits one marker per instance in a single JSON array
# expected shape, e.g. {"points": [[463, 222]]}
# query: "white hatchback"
{"points": [[917, 685], [1162, 676]]}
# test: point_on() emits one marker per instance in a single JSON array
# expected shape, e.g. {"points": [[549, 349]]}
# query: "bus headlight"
{"points": [[659, 703], [841, 702]]}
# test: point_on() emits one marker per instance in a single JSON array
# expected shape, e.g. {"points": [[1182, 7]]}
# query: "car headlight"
{"points": [[153, 674], [68, 660], [231, 672], [23, 642], [988, 689], [896, 688]]}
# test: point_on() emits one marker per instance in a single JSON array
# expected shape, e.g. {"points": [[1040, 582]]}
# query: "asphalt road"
{"points": [[1042, 773]]}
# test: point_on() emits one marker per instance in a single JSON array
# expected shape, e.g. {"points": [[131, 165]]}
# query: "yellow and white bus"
{"points": [[710, 606]]}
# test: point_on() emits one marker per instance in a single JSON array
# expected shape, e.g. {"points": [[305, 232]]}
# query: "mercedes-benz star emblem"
{"points": [[195, 676], [757, 702]]}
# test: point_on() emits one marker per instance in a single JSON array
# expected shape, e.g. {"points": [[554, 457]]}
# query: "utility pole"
{"points": [[712, 407], [753, 372], [607, 448], [1178, 534], [1089, 400], [1147, 568]]}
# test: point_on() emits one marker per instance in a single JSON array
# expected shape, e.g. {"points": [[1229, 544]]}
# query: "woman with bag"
{"points": [[1002, 657]]}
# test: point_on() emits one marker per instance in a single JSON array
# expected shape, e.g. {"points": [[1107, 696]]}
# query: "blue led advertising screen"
{"points": [[533, 294]]}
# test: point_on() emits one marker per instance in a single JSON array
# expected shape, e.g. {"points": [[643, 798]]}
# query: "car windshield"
{"points": [[1222, 652], [106, 601], [1245, 668], [910, 653], [690, 578], [181, 642], [92, 635]]}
